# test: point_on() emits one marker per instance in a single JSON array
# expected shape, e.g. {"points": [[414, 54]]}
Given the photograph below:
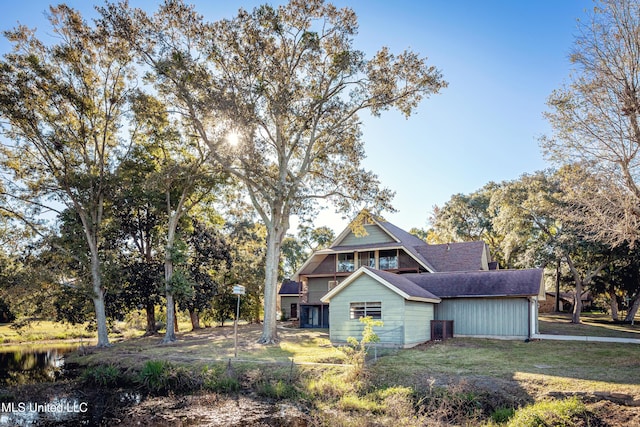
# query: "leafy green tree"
{"points": [[139, 216], [247, 240], [531, 217], [290, 84], [209, 256], [296, 249], [595, 122], [63, 106], [180, 172], [465, 218]]}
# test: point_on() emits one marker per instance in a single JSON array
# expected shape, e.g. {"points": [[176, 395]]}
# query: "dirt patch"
{"points": [[214, 410]]}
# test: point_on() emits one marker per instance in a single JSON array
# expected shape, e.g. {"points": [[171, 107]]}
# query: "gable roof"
{"points": [[433, 287], [461, 256], [401, 238], [395, 282]]}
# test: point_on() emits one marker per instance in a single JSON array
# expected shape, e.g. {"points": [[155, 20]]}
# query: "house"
{"points": [[567, 299], [389, 274]]}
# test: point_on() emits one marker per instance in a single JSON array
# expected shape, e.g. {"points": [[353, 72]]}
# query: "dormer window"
{"points": [[346, 263]]}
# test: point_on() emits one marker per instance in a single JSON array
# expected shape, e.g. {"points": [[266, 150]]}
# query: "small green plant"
{"points": [[356, 351], [102, 375]]}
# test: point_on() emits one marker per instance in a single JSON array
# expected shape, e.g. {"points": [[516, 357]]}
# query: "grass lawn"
{"points": [[592, 325], [563, 366]]}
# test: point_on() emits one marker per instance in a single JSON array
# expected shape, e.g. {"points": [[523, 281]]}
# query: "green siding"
{"points": [[374, 235], [364, 288], [502, 317], [317, 287], [418, 317]]}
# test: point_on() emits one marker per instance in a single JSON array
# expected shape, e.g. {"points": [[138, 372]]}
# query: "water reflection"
{"points": [[29, 366], [92, 409]]}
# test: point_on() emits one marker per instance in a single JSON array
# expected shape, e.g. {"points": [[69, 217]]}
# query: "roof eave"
{"points": [[420, 299]]}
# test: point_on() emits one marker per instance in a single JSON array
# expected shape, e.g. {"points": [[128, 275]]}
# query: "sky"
{"points": [[502, 59]]}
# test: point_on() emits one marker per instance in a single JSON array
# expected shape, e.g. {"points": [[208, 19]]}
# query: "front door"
{"points": [[294, 311]]}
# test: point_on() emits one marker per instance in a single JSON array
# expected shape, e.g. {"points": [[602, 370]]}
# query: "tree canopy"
{"points": [[289, 83]]}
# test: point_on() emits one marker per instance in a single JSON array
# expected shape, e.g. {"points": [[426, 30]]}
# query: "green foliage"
{"points": [[567, 413], [220, 380], [356, 351], [162, 377], [276, 389], [354, 402], [502, 415], [330, 385], [102, 376]]}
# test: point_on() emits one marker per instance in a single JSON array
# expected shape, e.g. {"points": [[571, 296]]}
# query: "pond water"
{"points": [[26, 366], [46, 365]]}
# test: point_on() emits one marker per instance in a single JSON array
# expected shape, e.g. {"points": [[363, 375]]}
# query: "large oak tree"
{"points": [[290, 84]]}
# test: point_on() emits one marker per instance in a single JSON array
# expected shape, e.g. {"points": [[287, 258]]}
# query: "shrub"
{"points": [[102, 376], [568, 412]]}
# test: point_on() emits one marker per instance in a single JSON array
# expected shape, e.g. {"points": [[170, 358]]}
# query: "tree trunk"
{"points": [[558, 286], [631, 312], [151, 319], [195, 319], [98, 298], [614, 304], [170, 334], [577, 303], [176, 328], [276, 231]]}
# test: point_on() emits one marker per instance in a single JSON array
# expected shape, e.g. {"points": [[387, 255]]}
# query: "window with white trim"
{"points": [[364, 309]]}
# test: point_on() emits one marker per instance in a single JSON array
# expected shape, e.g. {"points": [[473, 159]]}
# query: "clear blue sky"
{"points": [[502, 59]]}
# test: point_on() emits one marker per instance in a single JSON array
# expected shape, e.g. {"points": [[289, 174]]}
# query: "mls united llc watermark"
{"points": [[57, 407]]}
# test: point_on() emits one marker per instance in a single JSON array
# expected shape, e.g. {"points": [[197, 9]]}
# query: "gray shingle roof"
{"points": [[289, 287], [493, 283], [462, 256], [403, 284]]}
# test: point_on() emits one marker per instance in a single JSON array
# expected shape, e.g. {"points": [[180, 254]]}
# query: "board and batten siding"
{"points": [[374, 235], [366, 289], [317, 287], [417, 317], [486, 317]]}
